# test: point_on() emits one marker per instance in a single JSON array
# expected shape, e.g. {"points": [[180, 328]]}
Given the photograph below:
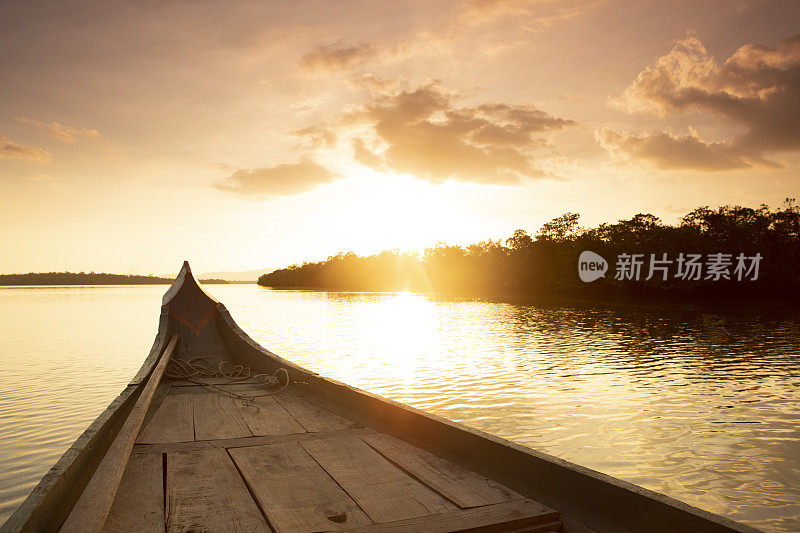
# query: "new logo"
{"points": [[591, 266]]}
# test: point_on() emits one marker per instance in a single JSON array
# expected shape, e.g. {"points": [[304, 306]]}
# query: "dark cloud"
{"points": [[14, 150], [336, 56], [757, 88], [282, 180], [425, 135]]}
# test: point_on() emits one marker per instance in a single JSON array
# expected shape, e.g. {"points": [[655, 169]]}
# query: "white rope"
{"points": [[190, 370]]}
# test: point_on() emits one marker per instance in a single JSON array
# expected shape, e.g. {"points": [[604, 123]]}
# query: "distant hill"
{"points": [[84, 278], [247, 275]]}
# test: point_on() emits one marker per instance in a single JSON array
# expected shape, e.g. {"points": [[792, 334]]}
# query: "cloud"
{"points": [[336, 56], [667, 151], [757, 88], [425, 135], [60, 131], [366, 157], [40, 177], [532, 14], [466, 22], [13, 150], [282, 180], [321, 136]]}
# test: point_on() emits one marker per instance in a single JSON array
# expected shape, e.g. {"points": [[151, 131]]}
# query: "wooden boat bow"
{"points": [[172, 455]]}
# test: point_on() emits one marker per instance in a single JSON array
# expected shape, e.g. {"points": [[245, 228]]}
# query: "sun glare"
{"points": [[404, 326], [398, 212]]}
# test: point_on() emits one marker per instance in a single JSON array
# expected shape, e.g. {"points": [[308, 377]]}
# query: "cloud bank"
{"points": [[281, 180], [757, 88], [424, 134]]}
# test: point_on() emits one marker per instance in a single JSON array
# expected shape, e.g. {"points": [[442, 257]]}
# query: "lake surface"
{"points": [[704, 407]]}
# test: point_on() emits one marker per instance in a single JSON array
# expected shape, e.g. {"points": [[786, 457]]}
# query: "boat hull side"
{"points": [[585, 496], [248, 352]]}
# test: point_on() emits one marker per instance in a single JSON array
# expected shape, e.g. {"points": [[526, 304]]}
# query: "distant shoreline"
{"points": [[91, 278]]}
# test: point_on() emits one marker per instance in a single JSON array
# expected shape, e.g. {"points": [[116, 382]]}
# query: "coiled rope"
{"points": [[198, 367]]}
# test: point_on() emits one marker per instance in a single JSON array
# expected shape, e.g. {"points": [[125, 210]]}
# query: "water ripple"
{"points": [[701, 406]]}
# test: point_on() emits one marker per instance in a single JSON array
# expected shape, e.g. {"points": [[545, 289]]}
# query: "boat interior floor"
{"points": [[208, 461]]}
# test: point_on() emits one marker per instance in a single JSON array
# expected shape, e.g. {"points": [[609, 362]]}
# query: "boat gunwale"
{"points": [[366, 407]]}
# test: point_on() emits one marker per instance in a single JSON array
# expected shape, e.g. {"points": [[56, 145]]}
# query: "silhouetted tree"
{"points": [[546, 265]]}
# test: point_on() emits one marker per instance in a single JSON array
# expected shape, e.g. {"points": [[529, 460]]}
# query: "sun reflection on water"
{"points": [[703, 407]]}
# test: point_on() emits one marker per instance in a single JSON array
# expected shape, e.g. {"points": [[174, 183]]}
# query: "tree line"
{"points": [[545, 263], [86, 278]]}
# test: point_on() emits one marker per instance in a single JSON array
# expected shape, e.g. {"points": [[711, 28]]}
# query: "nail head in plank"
{"points": [[382, 490], [139, 503], [500, 517], [264, 416], [454, 482], [206, 493], [172, 422], [294, 491], [215, 417]]}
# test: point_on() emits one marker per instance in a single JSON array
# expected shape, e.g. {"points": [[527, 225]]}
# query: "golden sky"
{"points": [[254, 134]]}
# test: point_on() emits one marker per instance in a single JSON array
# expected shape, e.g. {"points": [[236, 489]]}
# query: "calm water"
{"points": [[702, 407]]}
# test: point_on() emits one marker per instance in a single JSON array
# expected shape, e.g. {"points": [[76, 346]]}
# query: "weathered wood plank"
{"points": [[172, 422], [214, 381], [570, 525], [233, 387], [91, 510], [167, 447], [264, 416], [382, 490], [454, 482], [139, 503], [161, 392], [312, 417], [549, 527], [295, 492], [215, 417], [500, 517], [206, 493]]}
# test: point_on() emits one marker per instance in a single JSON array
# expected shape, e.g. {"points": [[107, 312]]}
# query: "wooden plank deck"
{"points": [[284, 478], [139, 504], [283, 463], [215, 417], [172, 422], [206, 493], [384, 491], [264, 416], [457, 484]]}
